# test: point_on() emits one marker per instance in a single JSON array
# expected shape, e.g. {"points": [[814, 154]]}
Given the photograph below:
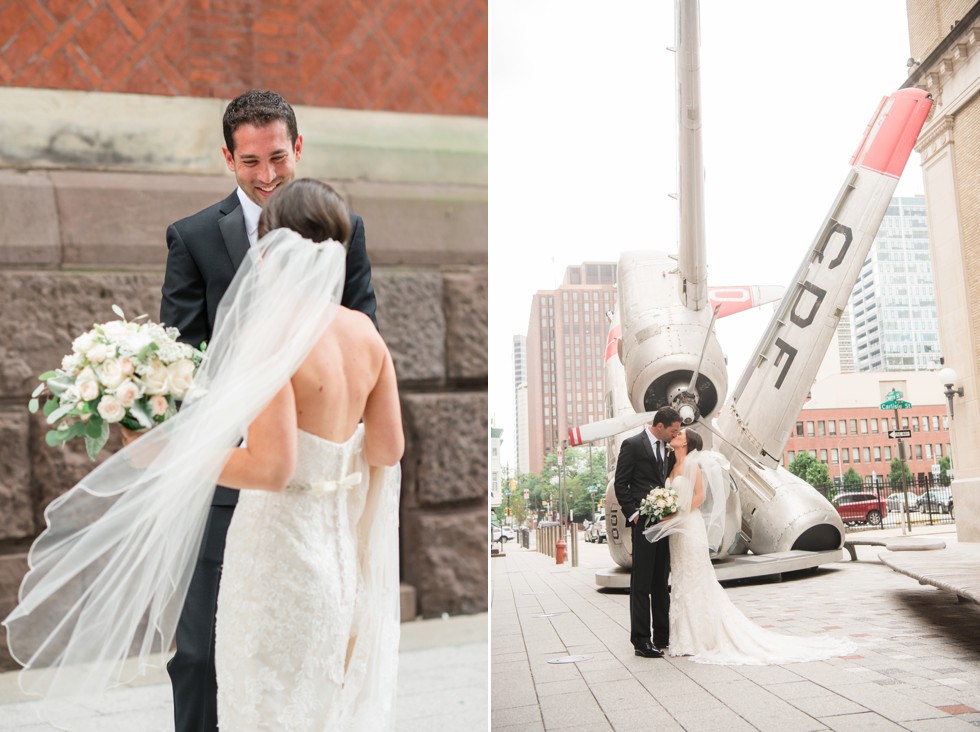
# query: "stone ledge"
{"points": [[955, 570], [97, 219]]}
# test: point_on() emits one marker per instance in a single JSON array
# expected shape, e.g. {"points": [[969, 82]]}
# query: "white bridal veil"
{"points": [[109, 574], [712, 466]]}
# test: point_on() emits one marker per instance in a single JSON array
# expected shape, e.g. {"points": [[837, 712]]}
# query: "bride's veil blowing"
{"points": [[109, 574]]}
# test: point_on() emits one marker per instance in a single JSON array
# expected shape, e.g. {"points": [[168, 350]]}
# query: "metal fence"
{"points": [[930, 502]]}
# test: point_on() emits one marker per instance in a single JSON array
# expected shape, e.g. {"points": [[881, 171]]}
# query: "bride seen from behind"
{"points": [[307, 627], [290, 651], [704, 623]]}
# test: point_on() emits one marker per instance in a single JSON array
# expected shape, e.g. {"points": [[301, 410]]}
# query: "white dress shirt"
{"points": [[252, 211]]}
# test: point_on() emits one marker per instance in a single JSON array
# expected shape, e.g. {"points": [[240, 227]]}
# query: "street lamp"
{"points": [[948, 377]]}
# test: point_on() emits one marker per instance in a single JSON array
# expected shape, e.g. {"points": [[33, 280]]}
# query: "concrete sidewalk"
{"points": [[917, 666], [442, 687]]}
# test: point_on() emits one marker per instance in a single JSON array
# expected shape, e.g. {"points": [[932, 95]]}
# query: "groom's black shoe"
{"points": [[648, 650]]}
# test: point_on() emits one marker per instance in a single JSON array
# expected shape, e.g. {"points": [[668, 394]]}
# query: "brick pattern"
{"points": [[930, 21], [421, 56]]}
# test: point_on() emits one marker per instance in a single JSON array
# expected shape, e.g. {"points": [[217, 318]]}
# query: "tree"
{"points": [[852, 480], [895, 477], [945, 465], [518, 507], [808, 468]]}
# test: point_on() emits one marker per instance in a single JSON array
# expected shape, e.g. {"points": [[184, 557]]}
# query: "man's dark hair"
{"points": [[694, 441], [259, 108], [666, 416], [309, 207]]}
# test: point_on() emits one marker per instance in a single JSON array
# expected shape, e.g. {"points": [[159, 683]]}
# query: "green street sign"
{"points": [[896, 404], [593, 489]]}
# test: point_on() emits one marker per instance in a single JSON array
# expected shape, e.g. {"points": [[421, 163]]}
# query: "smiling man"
{"points": [[262, 148]]}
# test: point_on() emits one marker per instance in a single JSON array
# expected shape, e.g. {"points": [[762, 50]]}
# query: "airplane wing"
{"points": [[763, 408]]}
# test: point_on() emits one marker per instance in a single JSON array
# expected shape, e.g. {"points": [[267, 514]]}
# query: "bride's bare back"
{"points": [[346, 378]]}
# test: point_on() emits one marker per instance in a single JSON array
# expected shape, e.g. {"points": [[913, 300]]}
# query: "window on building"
{"points": [[843, 427], [823, 456], [852, 425], [905, 423], [915, 424], [866, 454], [831, 428], [809, 429], [834, 458], [790, 456], [864, 426], [888, 453], [874, 426], [925, 424], [799, 429], [884, 425], [928, 451], [918, 452], [845, 455], [856, 454], [877, 454], [935, 424], [821, 428]]}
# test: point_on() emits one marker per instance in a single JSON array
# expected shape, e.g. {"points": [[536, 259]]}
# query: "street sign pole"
{"points": [[905, 492]]}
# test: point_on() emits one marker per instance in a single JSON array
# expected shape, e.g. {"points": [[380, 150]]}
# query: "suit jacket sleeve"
{"points": [[358, 290], [183, 305], [625, 466]]}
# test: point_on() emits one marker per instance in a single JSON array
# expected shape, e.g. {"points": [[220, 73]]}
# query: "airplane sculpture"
{"points": [[662, 349]]}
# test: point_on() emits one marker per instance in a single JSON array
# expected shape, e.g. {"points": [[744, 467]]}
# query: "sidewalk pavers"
{"points": [[442, 687], [917, 666]]}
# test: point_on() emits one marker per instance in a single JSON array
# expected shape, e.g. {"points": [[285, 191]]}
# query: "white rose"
{"points": [[111, 374], [158, 405], [83, 343], [88, 390], [127, 367], [111, 410], [71, 363], [97, 353], [127, 392], [155, 379], [181, 375], [116, 330]]}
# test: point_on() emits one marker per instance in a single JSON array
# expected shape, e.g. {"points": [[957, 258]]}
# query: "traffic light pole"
{"points": [[905, 492]]}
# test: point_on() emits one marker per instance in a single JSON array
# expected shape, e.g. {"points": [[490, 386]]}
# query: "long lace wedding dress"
{"points": [[292, 600], [705, 624]]}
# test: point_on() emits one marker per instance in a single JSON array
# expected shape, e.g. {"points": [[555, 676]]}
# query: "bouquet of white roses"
{"points": [[119, 372], [659, 502]]}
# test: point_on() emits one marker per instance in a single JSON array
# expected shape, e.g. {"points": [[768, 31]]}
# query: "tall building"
{"points": [[496, 438], [520, 404], [566, 338], [893, 305]]}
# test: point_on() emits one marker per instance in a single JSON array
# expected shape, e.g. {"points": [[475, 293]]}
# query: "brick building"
{"points": [[110, 129], [843, 425], [566, 338]]}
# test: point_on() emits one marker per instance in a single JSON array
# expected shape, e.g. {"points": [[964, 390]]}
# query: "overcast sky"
{"points": [[583, 143]]}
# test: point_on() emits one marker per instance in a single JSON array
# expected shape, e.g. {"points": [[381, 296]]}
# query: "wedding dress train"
{"points": [[706, 625]]}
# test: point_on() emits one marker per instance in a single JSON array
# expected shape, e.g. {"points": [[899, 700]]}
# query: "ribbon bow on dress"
{"points": [[325, 487]]}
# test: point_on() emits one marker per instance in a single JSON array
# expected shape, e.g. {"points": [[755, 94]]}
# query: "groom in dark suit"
{"points": [[644, 463], [262, 147]]}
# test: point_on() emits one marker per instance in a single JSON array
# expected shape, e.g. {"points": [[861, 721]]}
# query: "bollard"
{"points": [[560, 550], [574, 545]]}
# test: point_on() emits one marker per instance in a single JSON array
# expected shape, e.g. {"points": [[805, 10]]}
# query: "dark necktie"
{"points": [[660, 458]]}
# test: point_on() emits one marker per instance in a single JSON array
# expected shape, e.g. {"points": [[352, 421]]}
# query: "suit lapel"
{"points": [[232, 227]]}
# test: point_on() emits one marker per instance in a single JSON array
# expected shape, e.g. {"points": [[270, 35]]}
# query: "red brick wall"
{"points": [[426, 56]]}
